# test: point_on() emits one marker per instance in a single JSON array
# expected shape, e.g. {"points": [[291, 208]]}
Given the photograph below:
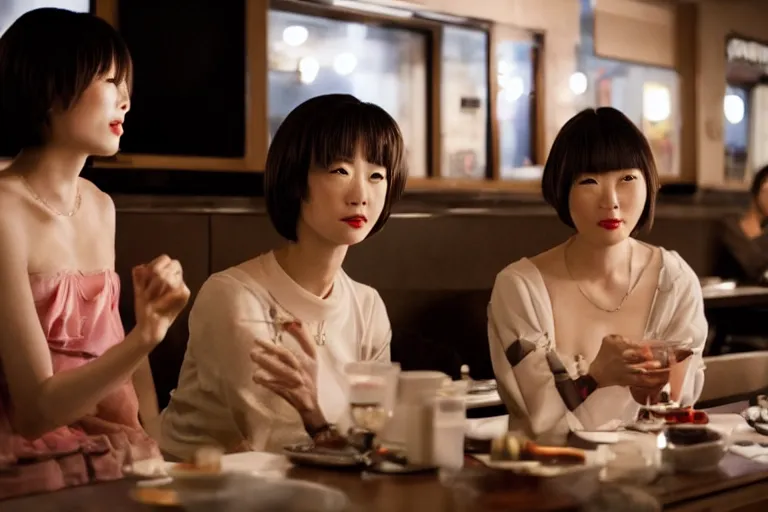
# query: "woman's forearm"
{"points": [[69, 395], [144, 385]]}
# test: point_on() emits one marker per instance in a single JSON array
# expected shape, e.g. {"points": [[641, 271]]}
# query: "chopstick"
{"points": [[268, 322]]}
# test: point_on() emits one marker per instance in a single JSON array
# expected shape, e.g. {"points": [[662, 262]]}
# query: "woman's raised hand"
{"points": [[621, 362], [160, 294]]}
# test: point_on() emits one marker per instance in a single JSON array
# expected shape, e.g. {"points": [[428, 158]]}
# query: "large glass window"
{"points": [[745, 109], [10, 10], [310, 56], [516, 107], [464, 103], [736, 132], [647, 95]]}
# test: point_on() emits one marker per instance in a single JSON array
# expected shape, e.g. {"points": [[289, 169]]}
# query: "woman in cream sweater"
{"points": [[567, 327], [269, 338]]}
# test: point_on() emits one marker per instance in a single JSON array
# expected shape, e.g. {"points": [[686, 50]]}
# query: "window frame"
{"points": [[749, 172], [431, 31], [255, 117], [503, 33], [257, 102], [664, 179]]}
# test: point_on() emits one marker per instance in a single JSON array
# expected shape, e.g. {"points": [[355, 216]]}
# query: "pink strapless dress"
{"points": [[80, 319]]}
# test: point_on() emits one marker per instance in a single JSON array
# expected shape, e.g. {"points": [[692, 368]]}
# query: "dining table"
{"points": [[737, 297], [738, 483]]}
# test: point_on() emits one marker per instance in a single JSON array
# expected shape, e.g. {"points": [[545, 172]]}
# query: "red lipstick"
{"points": [[116, 127], [610, 224], [355, 221]]}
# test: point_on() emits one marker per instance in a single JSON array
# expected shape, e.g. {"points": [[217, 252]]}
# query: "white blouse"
{"points": [[218, 403], [520, 318]]}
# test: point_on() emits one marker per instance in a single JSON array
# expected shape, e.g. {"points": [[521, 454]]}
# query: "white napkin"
{"points": [[728, 424], [754, 451], [486, 428], [736, 429], [256, 463]]}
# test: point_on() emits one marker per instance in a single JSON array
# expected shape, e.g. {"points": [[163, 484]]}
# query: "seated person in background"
{"points": [[269, 338], [72, 383], [566, 327], [745, 239]]}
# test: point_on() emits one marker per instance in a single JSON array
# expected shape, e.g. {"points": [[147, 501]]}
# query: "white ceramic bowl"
{"points": [[693, 448]]}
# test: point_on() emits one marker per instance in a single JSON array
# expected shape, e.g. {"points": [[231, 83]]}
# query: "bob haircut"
{"points": [[323, 130], [48, 58], [757, 182], [598, 141]]}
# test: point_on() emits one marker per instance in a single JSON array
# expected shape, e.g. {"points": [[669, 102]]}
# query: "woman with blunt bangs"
{"points": [[269, 338], [73, 385], [569, 329]]}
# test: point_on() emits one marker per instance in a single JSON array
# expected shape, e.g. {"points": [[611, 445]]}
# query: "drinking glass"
{"points": [[372, 393], [663, 350]]}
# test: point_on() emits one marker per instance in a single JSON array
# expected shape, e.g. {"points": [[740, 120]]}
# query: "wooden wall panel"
{"points": [[637, 32], [718, 19], [237, 238], [142, 237]]}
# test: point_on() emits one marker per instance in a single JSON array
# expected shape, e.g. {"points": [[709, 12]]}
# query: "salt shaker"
{"points": [[414, 414], [448, 426]]}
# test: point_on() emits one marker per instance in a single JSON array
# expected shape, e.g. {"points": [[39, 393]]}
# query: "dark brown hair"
{"points": [[49, 57], [319, 132], [757, 182], [596, 141]]}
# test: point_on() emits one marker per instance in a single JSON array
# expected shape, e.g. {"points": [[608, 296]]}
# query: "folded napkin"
{"points": [[256, 463], [486, 428], [743, 440], [754, 451], [729, 424]]}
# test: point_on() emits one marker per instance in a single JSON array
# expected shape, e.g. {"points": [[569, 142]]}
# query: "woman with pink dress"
{"points": [[73, 385]]}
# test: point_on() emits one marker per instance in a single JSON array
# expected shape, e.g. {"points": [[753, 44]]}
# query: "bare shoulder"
{"points": [[11, 189], [102, 203], [550, 262], [15, 225], [15, 203]]}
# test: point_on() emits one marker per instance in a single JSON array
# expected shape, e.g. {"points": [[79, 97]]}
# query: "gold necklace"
{"points": [[78, 200], [629, 284]]}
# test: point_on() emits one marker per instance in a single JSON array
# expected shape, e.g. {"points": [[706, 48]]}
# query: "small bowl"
{"points": [[693, 448], [636, 460]]}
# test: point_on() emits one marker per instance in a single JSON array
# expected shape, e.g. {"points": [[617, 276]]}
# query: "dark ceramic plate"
{"points": [[310, 455]]}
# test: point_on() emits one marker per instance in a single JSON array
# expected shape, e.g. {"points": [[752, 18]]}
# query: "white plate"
{"points": [[148, 468], [200, 478], [598, 437], [595, 460], [256, 463], [610, 436]]}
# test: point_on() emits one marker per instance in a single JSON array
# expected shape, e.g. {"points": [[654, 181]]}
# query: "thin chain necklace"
{"points": [[78, 200], [629, 284]]}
